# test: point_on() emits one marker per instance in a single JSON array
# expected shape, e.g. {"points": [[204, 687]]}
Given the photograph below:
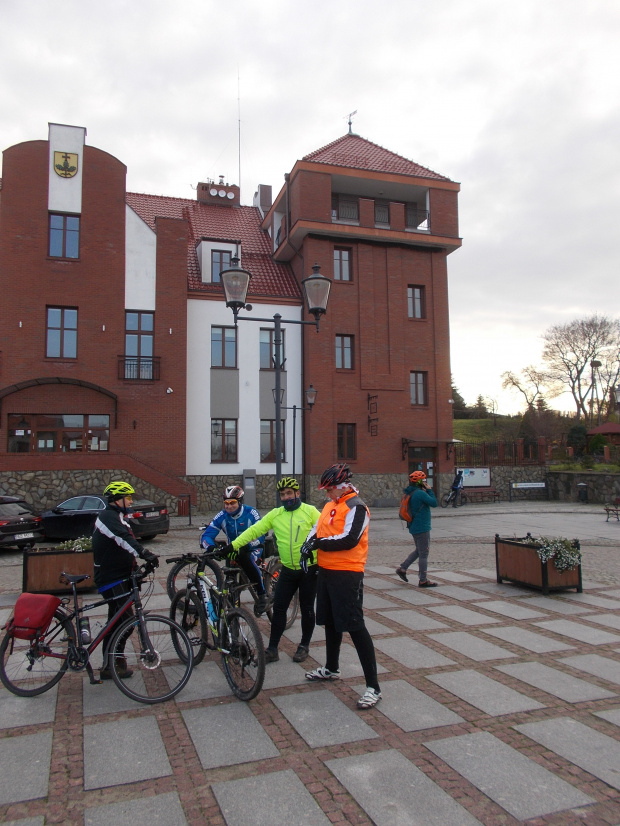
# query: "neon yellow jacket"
{"points": [[290, 528]]}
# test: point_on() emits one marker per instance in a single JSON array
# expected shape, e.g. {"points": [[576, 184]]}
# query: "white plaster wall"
{"points": [[65, 194], [201, 315], [140, 263], [203, 251]]}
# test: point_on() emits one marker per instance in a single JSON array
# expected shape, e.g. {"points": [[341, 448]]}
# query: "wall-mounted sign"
{"points": [[65, 164]]}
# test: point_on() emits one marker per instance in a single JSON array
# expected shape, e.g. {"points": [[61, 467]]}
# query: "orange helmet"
{"points": [[417, 476]]}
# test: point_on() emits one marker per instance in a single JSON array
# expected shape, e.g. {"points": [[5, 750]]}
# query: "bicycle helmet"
{"points": [[417, 476], [117, 490], [287, 482], [233, 492], [335, 475]]}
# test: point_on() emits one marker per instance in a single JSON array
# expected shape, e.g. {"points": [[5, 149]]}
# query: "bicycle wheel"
{"points": [[446, 499], [244, 662], [188, 611], [274, 566], [462, 500], [177, 575], [150, 650], [29, 668]]}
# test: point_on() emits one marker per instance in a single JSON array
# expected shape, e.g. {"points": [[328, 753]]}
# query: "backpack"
{"points": [[33, 615], [404, 512]]}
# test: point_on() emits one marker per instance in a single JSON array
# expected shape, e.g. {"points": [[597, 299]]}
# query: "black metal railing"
{"points": [[139, 369], [417, 219], [484, 454]]}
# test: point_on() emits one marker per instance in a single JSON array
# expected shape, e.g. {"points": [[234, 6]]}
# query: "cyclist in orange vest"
{"points": [[340, 538]]}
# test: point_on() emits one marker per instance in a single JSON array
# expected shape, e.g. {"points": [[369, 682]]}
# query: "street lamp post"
{"points": [[316, 289], [310, 399]]}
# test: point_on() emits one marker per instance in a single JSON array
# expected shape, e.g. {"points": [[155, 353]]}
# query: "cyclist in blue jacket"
{"points": [[232, 520]]}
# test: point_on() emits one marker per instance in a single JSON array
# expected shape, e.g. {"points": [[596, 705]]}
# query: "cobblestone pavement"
{"points": [[500, 706]]}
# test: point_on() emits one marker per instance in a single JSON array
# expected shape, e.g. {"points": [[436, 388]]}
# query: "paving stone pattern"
{"points": [[495, 711]]}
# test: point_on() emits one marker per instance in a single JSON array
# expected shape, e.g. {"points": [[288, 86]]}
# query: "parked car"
{"points": [[76, 517], [20, 524]]}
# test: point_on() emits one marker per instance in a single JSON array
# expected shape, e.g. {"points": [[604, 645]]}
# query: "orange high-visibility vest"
{"points": [[332, 523]]}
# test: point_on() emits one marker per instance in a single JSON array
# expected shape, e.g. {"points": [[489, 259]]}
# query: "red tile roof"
{"points": [[227, 223], [357, 153]]}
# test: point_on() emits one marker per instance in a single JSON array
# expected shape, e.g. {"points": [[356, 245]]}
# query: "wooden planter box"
{"points": [[521, 564], [42, 570]]}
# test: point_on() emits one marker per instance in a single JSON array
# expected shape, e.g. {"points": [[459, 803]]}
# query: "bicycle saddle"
{"points": [[71, 578]]}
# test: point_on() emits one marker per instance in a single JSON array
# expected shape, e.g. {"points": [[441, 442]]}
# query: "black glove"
{"points": [[210, 549], [229, 552], [306, 557], [151, 558]]}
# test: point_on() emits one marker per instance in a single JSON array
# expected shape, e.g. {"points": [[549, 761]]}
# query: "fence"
{"points": [[485, 454]]}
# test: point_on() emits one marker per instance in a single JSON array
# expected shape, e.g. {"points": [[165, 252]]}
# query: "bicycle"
{"points": [[203, 608], [160, 652], [456, 498], [193, 563]]}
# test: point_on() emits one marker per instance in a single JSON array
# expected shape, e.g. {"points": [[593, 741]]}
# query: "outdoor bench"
{"points": [[481, 494], [613, 510]]}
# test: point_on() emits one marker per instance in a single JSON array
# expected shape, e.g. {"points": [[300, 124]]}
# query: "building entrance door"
{"points": [[423, 458]]}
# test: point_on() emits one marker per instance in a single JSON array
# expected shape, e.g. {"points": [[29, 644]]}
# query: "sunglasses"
{"points": [[231, 501]]}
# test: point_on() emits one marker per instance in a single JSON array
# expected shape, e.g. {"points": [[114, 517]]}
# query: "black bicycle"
{"points": [[193, 563], [32, 660], [456, 498], [213, 621]]}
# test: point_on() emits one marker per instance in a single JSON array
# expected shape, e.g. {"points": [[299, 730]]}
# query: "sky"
{"points": [[518, 102]]}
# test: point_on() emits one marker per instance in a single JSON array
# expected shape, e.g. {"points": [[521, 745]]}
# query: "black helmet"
{"points": [[335, 475]]}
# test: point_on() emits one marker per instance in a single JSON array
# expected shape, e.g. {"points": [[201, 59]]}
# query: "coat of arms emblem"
{"points": [[65, 164]]}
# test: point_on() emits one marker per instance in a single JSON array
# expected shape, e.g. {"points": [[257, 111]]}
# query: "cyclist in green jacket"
{"points": [[291, 524]]}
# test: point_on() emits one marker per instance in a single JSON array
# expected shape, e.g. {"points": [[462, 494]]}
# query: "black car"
{"points": [[20, 524], [76, 517]]}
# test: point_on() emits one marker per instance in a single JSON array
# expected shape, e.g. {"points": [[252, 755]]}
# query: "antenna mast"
{"points": [[239, 126], [351, 121]]}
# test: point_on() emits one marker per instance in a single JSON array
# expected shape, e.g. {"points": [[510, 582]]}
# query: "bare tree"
{"points": [[533, 384], [575, 353]]}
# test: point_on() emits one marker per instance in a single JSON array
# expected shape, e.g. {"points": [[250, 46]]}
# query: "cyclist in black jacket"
{"points": [[115, 550]]}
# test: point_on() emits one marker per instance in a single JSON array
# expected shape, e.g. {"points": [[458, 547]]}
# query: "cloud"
{"points": [[518, 102]]}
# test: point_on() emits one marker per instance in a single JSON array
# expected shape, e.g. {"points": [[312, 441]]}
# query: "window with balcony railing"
{"points": [[345, 208], [417, 218], [382, 213], [139, 368]]}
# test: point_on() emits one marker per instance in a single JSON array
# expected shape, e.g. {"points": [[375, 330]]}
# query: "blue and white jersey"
{"points": [[232, 526]]}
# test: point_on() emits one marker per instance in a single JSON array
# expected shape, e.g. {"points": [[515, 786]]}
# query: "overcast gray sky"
{"points": [[519, 102]]}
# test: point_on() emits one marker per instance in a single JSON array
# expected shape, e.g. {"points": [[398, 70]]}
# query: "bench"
{"points": [[481, 494], [613, 510]]}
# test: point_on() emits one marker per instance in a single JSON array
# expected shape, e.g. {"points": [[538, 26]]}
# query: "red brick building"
{"points": [[382, 228], [118, 355]]}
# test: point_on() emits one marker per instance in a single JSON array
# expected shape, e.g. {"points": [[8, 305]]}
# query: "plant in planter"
{"points": [[43, 567], [565, 553], [528, 561], [82, 543]]}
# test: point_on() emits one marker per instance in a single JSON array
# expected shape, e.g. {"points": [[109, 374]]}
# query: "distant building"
{"points": [[119, 357]]}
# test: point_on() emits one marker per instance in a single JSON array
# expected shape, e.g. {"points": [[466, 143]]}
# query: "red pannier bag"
{"points": [[33, 615]]}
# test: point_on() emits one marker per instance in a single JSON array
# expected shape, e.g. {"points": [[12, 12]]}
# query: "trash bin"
{"points": [[249, 488], [582, 491], [183, 504]]}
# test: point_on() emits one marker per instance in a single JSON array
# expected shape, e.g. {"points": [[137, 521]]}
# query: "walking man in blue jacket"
{"points": [[421, 500]]}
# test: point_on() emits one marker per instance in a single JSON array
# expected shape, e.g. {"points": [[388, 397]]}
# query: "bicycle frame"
{"points": [[76, 643]]}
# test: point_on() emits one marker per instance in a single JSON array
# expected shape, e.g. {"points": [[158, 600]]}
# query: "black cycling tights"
{"points": [[365, 651], [288, 582]]}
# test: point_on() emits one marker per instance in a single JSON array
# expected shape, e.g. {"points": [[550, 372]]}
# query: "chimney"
{"points": [[221, 194], [262, 199]]}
